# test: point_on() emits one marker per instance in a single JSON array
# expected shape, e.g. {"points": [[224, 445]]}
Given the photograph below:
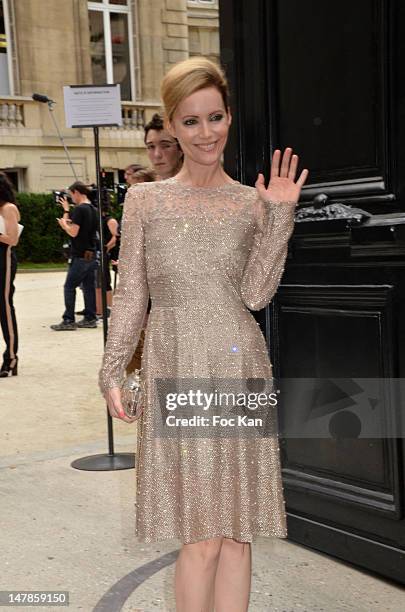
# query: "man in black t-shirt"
{"points": [[81, 226]]}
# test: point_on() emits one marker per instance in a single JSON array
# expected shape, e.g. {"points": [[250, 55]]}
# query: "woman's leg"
{"points": [[8, 267], [99, 301], [109, 293], [89, 290], [195, 575], [73, 279], [233, 577]]}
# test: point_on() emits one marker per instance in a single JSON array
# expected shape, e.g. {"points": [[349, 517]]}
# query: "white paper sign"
{"points": [[92, 105]]}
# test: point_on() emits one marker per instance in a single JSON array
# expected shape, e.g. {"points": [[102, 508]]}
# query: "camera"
{"points": [[61, 194], [66, 251]]}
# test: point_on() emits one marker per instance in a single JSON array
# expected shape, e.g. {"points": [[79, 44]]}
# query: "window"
{"points": [[5, 57], [16, 176], [110, 44]]}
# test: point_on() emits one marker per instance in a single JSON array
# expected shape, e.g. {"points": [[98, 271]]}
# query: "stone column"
{"points": [[175, 42], [163, 37]]}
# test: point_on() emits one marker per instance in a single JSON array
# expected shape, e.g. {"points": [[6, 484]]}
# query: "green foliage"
{"points": [[42, 238]]}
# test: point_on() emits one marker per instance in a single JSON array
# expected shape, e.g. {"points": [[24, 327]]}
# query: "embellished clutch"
{"points": [[132, 394]]}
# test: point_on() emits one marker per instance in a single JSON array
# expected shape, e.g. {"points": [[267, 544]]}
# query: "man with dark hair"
{"points": [[166, 157], [81, 226], [164, 151]]}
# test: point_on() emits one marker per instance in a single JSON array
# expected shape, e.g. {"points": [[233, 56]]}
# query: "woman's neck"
{"points": [[197, 175]]}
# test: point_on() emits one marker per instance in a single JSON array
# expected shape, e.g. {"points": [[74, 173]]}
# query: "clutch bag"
{"points": [[132, 394]]}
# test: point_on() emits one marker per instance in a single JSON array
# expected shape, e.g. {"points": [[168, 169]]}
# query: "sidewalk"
{"points": [[64, 529]]}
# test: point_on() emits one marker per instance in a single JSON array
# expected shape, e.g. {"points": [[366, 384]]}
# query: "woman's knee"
{"points": [[235, 547], [206, 552]]}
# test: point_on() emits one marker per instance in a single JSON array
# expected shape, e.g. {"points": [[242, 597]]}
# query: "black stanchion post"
{"points": [[112, 460]]}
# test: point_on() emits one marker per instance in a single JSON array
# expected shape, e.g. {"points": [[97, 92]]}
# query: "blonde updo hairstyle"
{"points": [[189, 76]]}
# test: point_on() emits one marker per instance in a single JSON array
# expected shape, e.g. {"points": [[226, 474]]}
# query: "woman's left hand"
{"points": [[282, 186]]}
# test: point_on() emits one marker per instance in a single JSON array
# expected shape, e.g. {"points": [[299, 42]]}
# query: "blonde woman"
{"points": [[207, 249], [9, 218]]}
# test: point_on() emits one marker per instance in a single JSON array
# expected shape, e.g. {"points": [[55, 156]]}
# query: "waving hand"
{"points": [[282, 186]]}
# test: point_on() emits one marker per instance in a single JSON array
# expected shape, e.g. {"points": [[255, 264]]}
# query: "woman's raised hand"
{"points": [[282, 186]]}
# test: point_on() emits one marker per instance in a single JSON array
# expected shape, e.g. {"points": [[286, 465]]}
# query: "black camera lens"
{"points": [[61, 194]]}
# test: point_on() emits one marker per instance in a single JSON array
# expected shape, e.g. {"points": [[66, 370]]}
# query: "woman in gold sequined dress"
{"points": [[206, 249]]}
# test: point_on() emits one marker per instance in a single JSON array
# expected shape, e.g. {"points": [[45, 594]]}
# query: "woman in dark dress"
{"points": [[9, 219]]}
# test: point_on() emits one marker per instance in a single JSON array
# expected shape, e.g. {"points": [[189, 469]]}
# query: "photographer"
{"points": [[81, 226]]}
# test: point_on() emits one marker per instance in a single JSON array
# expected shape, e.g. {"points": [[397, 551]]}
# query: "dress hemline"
{"points": [[238, 537]]}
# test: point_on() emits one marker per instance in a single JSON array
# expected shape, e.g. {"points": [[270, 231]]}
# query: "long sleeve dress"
{"points": [[205, 256]]}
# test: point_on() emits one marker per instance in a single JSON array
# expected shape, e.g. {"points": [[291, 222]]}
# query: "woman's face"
{"points": [[128, 177], [201, 125]]}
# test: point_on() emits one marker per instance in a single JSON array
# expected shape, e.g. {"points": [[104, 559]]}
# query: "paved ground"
{"points": [[73, 530]]}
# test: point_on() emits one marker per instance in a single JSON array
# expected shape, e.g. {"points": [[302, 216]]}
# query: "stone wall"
{"points": [[51, 48]]}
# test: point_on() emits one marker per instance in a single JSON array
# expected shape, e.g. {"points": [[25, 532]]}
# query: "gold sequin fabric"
{"points": [[206, 256]]}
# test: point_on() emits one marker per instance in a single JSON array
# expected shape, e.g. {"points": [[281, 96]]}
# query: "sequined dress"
{"points": [[205, 256]]}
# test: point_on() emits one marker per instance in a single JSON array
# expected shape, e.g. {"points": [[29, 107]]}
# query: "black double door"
{"points": [[327, 79]]}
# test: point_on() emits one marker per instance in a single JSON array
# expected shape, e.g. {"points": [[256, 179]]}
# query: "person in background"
{"points": [[166, 157], [111, 239], [81, 226], [9, 218], [146, 175], [164, 151], [129, 172]]}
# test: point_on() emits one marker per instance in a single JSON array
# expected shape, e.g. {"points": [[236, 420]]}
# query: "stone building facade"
{"points": [[46, 44]]}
